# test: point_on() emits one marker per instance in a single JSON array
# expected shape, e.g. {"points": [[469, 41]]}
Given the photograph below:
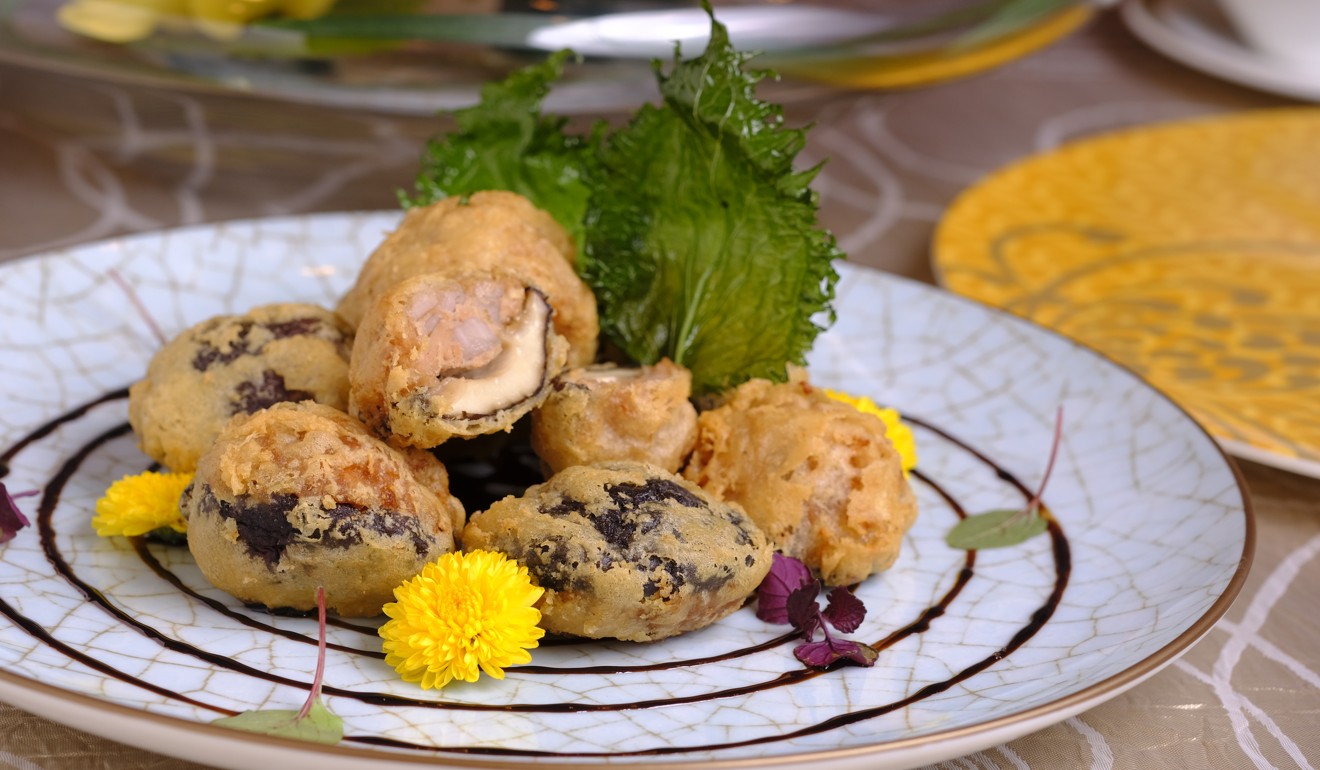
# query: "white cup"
{"points": [[1287, 30]]}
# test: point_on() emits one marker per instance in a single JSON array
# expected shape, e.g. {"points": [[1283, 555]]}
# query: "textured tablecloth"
{"points": [[83, 160]]}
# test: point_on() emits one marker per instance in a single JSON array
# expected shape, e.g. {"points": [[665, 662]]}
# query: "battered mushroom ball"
{"points": [[300, 495], [236, 365], [626, 551], [437, 357], [602, 413], [492, 230], [818, 476]]}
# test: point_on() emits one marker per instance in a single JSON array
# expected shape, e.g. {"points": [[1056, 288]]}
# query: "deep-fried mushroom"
{"points": [[818, 476], [300, 495], [439, 356], [236, 364], [626, 551], [492, 230], [602, 413]]}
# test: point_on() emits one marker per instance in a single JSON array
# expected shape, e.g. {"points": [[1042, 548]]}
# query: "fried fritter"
{"points": [[818, 476]]}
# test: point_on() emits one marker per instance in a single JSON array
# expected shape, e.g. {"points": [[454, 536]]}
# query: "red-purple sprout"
{"points": [[11, 517], [788, 594]]}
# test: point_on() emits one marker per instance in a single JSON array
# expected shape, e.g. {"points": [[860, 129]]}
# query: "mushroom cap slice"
{"points": [[489, 230], [439, 356]]}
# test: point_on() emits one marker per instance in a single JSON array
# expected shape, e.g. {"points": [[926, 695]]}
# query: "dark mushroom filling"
{"points": [[439, 357]]}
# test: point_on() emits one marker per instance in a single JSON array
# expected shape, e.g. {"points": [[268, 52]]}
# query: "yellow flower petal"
{"points": [[224, 19], [898, 433], [464, 614], [127, 21], [136, 505], [305, 9], [108, 20]]}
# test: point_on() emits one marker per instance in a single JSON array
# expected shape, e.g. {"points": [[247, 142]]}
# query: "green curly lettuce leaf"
{"points": [[698, 237], [505, 143], [702, 242]]}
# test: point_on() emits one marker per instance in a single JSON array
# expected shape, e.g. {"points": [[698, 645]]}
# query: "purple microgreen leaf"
{"points": [[859, 653], [825, 653], [138, 305], [11, 517], [786, 576], [313, 722], [803, 612], [844, 610], [1005, 527], [815, 654]]}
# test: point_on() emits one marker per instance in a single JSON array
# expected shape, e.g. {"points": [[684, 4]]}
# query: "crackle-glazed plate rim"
{"points": [[198, 741]]}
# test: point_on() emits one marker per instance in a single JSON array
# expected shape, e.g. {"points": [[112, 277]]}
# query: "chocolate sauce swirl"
{"points": [[54, 488]]}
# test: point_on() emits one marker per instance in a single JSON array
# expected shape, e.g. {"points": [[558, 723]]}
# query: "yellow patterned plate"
{"points": [[1188, 251]]}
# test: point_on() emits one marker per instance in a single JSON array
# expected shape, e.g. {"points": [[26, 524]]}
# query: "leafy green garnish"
{"points": [[505, 143], [999, 528], [1005, 527], [313, 722], [699, 239], [317, 725], [702, 242]]}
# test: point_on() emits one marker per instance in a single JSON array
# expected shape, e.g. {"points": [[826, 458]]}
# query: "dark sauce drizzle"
{"points": [[49, 428], [148, 558], [50, 498]]}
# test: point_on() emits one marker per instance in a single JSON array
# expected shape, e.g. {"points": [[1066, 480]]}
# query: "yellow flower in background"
{"points": [[464, 614], [224, 19], [136, 505], [126, 21], [899, 434], [117, 21]]}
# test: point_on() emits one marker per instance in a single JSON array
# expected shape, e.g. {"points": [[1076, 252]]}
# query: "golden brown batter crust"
{"points": [[439, 356], [301, 495], [818, 476], [493, 230], [626, 551], [231, 365], [603, 413]]}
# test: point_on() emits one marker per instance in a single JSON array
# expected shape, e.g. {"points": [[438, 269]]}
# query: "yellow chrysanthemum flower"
{"points": [[127, 21], [464, 614], [900, 435], [136, 505]]}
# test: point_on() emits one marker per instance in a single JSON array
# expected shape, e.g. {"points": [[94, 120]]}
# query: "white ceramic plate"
{"points": [[1197, 34], [1153, 543]]}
